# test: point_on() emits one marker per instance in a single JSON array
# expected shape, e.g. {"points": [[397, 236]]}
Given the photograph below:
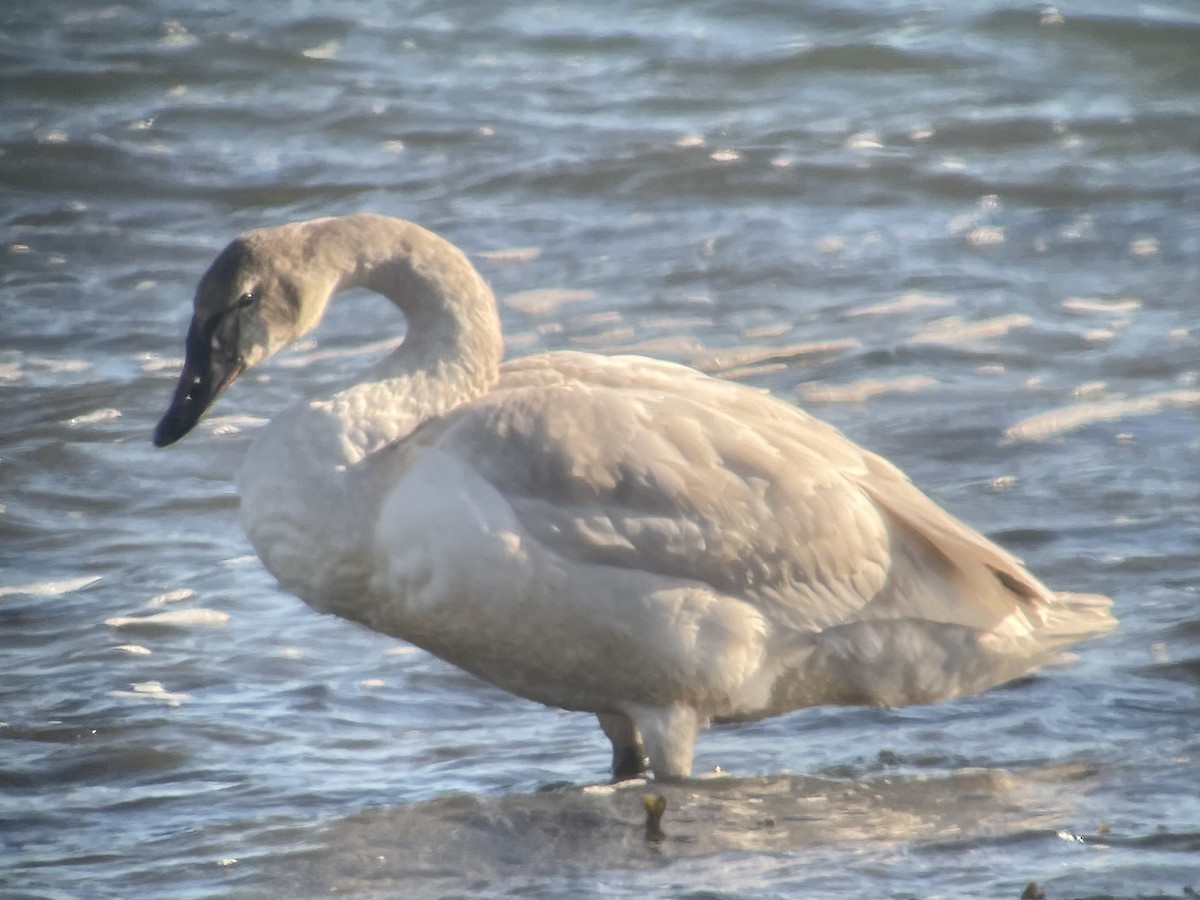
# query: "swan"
{"points": [[613, 534]]}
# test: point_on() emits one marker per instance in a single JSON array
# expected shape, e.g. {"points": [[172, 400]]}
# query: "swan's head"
{"points": [[260, 293]]}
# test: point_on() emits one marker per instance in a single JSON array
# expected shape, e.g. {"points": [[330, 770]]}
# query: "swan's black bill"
{"points": [[205, 374]]}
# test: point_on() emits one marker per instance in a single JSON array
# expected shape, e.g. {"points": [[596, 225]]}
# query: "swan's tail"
{"points": [[1075, 617]]}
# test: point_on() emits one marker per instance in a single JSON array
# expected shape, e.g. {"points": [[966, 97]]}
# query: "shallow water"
{"points": [[967, 234]]}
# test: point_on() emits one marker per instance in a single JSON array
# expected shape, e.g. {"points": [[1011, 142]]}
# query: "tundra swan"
{"points": [[613, 534]]}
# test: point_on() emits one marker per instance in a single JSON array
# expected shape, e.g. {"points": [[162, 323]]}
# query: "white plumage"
{"points": [[616, 534]]}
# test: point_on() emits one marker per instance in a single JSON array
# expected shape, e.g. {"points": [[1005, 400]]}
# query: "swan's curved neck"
{"points": [[453, 335], [453, 345]]}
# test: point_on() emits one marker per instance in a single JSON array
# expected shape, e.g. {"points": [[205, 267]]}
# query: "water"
{"points": [[967, 234]]}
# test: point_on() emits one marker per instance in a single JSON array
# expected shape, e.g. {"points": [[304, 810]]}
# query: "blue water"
{"points": [[967, 234]]}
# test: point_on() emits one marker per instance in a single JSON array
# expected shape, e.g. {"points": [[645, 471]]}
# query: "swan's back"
{"points": [[644, 473]]}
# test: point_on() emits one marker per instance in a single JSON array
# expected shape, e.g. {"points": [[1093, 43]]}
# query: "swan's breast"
{"points": [[304, 510]]}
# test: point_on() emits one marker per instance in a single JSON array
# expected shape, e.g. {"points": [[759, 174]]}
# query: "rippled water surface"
{"points": [[966, 233]]}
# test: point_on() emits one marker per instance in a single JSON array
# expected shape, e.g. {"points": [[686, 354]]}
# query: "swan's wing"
{"points": [[647, 466]]}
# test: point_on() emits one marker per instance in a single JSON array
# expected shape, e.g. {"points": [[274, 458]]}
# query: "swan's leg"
{"points": [[628, 759], [669, 736]]}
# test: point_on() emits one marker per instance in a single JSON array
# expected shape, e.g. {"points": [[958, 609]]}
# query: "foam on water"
{"points": [[1056, 422], [954, 331], [863, 389], [49, 588], [171, 617]]}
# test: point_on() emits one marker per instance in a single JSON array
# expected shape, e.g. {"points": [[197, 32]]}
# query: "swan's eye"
{"points": [[245, 299]]}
